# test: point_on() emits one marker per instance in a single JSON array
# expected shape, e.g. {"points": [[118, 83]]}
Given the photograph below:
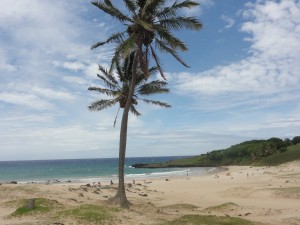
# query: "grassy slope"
{"points": [[240, 154], [293, 153]]}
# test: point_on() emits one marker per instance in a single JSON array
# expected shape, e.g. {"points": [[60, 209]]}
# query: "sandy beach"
{"points": [[263, 195]]}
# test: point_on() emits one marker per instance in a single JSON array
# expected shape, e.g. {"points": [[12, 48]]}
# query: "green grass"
{"points": [[90, 213], [42, 205], [84, 214], [240, 154], [292, 153], [208, 220]]}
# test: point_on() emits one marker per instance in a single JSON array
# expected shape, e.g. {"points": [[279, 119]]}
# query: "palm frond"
{"points": [[140, 77], [108, 83], [104, 91], [170, 11], [154, 87], [120, 71], [167, 37], [161, 45], [123, 50], [117, 37], [127, 66], [181, 22], [159, 103], [153, 70], [131, 5], [166, 13], [134, 111], [144, 24], [108, 8], [102, 104], [108, 75], [185, 4], [115, 121], [151, 7], [157, 62]]}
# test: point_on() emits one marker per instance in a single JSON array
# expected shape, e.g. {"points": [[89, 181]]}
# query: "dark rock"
{"points": [[84, 189], [144, 195], [13, 182]]}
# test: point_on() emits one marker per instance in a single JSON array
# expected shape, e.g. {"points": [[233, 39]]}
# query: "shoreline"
{"points": [[269, 195], [177, 172]]}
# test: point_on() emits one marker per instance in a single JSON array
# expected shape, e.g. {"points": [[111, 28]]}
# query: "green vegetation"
{"points": [[42, 205], [84, 214], [292, 153], [204, 220], [90, 213], [273, 151]]}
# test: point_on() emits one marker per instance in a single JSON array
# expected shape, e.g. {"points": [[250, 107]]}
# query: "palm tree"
{"points": [[118, 88], [147, 30]]}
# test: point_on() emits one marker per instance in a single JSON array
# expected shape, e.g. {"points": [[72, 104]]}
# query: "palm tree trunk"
{"points": [[120, 197]]}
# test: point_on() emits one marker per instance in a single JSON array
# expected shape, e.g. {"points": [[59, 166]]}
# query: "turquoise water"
{"points": [[88, 170]]}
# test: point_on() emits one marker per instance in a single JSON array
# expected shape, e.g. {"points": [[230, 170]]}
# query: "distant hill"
{"points": [[273, 151]]}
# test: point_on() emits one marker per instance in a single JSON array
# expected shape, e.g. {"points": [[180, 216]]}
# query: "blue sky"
{"points": [[243, 82]]}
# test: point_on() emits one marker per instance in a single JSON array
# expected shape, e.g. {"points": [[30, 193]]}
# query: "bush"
{"points": [[296, 140]]}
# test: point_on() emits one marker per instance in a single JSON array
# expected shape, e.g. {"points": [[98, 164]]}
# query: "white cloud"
{"points": [[198, 10], [27, 100], [53, 94], [4, 65], [42, 42], [75, 66], [272, 67], [228, 20], [76, 80], [286, 122], [92, 70]]}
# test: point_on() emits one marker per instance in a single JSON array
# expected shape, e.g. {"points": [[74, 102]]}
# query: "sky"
{"points": [[243, 82]]}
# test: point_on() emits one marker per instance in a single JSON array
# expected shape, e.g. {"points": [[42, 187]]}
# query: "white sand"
{"points": [[270, 195]]}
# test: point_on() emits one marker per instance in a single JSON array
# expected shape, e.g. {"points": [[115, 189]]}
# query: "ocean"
{"points": [[87, 170]]}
